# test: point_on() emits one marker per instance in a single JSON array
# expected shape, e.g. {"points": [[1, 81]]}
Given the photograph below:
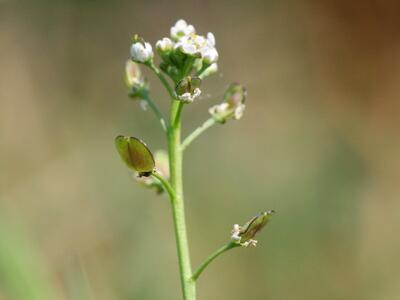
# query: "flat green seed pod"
{"points": [[187, 85], [250, 229], [135, 154]]}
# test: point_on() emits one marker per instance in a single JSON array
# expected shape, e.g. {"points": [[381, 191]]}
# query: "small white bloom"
{"points": [[210, 55], [188, 97], [144, 105], [219, 108], [236, 233], [141, 52], [211, 39], [250, 242], [210, 70], [181, 29], [164, 45], [239, 112]]}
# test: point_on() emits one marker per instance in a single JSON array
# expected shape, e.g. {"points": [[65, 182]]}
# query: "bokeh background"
{"points": [[319, 143]]}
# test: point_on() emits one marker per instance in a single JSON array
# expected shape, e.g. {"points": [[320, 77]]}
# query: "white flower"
{"points": [[236, 233], [181, 29], [239, 112], [211, 39], [189, 97], [164, 45], [210, 70], [141, 52], [210, 55], [190, 44]]}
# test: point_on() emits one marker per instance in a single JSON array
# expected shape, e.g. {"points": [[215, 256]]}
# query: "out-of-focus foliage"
{"points": [[318, 143]]}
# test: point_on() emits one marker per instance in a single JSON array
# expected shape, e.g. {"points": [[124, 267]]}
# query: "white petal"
{"points": [[211, 39]]}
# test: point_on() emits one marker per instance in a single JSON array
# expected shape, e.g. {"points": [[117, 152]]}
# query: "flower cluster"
{"points": [[183, 52]]}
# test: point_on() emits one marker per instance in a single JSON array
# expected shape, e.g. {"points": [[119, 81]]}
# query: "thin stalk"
{"points": [[146, 97], [165, 184], [162, 78], [213, 256], [206, 125], [178, 210]]}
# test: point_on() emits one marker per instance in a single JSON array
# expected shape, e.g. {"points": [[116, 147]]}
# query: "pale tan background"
{"points": [[319, 143]]}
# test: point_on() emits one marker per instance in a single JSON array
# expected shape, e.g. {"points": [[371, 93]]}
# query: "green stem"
{"points": [[162, 78], [213, 256], [146, 97], [207, 124], [178, 210], [165, 184]]}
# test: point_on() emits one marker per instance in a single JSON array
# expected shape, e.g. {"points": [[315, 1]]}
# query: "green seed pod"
{"points": [[233, 105], [135, 154], [188, 89], [187, 85], [243, 235], [251, 228]]}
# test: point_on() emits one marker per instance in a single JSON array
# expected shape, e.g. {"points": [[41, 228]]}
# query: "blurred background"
{"points": [[319, 143]]}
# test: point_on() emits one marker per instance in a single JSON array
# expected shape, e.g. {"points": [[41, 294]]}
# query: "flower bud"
{"points": [[188, 89], [135, 154], [233, 105], [244, 235], [134, 80], [164, 46], [141, 51], [210, 55]]}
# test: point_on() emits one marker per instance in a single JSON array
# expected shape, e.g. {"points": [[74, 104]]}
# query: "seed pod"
{"points": [[135, 154], [251, 228], [233, 105], [187, 85], [244, 235]]}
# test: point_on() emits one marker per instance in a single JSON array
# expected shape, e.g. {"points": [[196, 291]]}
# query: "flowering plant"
{"points": [[187, 58]]}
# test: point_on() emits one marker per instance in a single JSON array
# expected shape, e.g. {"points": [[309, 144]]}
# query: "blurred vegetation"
{"points": [[318, 143]]}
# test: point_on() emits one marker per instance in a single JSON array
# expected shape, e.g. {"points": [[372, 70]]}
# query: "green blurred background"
{"points": [[319, 143]]}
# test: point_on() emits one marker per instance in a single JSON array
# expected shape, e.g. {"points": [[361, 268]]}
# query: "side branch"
{"points": [[213, 256], [162, 78], [206, 125], [146, 97]]}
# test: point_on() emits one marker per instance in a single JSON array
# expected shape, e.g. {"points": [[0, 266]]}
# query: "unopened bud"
{"points": [[141, 51]]}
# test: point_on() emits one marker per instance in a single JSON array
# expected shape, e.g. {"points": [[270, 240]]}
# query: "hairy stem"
{"points": [[213, 256], [178, 210], [206, 125]]}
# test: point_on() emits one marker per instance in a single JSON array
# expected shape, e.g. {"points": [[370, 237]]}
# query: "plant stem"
{"points": [[162, 78], [165, 184], [207, 124], [175, 162], [213, 256], [146, 97]]}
